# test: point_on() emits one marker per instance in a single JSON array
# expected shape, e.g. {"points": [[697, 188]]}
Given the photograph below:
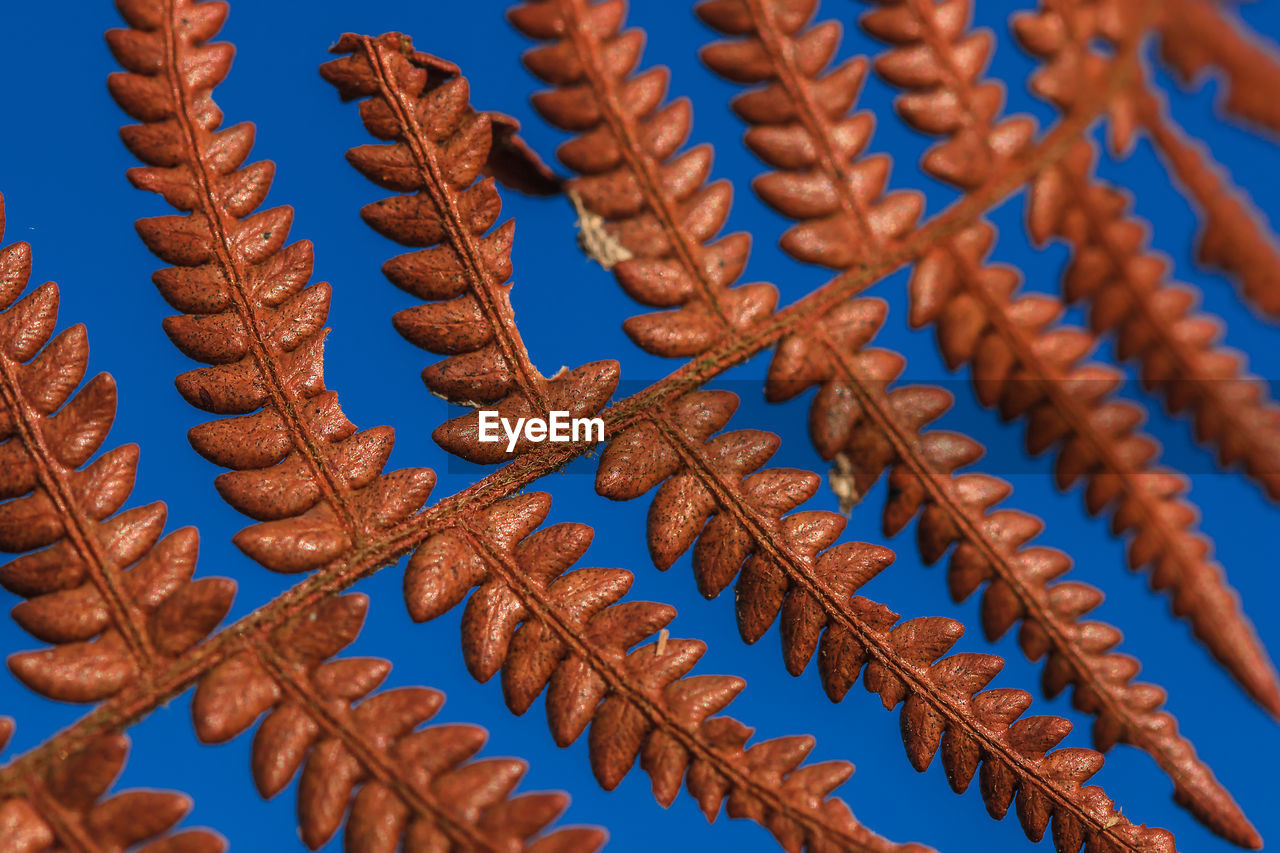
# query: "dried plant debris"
{"points": [[129, 626]]}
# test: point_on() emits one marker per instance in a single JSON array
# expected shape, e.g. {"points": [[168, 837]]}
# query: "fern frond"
{"points": [[136, 699], [1197, 36], [748, 61], [439, 145], [1020, 362], [656, 204], [714, 498], [275, 661], [300, 466], [65, 811], [240, 677], [823, 241], [415, 785], [800, 124], [527, 619], [857, 419], [409, 788], [634, 469], [1232, 237], [250, 698], [1031, 369], [647, 210], [545, 627], [1125, 285], [347, 566], [114, 599]]}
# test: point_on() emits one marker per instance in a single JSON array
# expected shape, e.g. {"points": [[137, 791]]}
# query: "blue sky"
{"points": [[62, 174]]}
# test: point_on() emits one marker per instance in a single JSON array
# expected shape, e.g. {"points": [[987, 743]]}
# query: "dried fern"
{"points": [[855, 416], [1021, 363], [1123, 283], [439, 148], [636, 460], [1198, 36], [130, 629], [409, 789], [580, 635], [116, 601], [809, 193], [65, 809], [415, 785], [300, 467]]}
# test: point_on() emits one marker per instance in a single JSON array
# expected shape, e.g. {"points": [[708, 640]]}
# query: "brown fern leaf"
{"points": [[354, 563], [1036, 372], [300, 466], [802, 785], [65, 810], [415, 785], [938, 62], [507, 158], [1125, 284], [139, 699], [438, 147], [799, 124], [813, 239], [856, 419], [1020, 362], [646, 212], [713, 494], [1196, 36], [1232, 235], [114, 599], [673, 742], [544, 626]]}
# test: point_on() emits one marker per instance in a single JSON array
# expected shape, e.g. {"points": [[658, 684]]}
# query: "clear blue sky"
{"points": [[62, 172]]}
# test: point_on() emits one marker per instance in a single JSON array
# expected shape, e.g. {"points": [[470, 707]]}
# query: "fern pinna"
{"points": [[129, 625]]}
